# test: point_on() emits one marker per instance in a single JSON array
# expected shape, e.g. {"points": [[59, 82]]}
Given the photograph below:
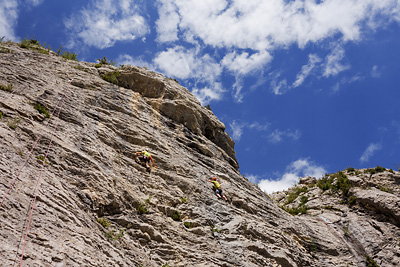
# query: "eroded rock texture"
{"points": [[96, 207]]}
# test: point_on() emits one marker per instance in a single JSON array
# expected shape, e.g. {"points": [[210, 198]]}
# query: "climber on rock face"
{"points": [[145, 157], [217, 188]]}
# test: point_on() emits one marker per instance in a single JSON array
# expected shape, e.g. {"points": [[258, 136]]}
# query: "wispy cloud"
{"points": [[8, 18], [103, 23], [278, 136], [375, 72], [272, 135], [126, 59], [34, 2], [306, 69], [370, 151], [333, 64], [296, 170], [237, 130]]}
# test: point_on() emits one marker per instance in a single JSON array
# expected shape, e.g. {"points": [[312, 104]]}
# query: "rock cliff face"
{"points": [[96, 206]]}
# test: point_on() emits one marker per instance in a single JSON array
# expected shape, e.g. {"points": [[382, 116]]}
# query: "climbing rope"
{"points": [[59, 107], [40, 176], [29, 155]]}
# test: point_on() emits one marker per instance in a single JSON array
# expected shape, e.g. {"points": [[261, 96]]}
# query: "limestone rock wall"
{"points": [[96, 207]]}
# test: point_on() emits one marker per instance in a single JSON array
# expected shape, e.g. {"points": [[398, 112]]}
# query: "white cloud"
{"points": [[253, 30], [273, 136], [333, 65], [306, 69], [125, 59], [296, 170], [185, 63], [237, 130], [103, 23], [244, 63], [252, 178], [278, 136], [279, 87], [167, 24], [375, 72], [370, 151], [181, 63], [265, 25], [8, 18], [206, 94], [35, 2]]}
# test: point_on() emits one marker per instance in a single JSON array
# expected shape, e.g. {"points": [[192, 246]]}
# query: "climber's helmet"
{"points": [[214, 178]]}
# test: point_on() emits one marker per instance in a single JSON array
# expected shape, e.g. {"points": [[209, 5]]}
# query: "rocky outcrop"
{"points": [[97, 207], [357, 212]]}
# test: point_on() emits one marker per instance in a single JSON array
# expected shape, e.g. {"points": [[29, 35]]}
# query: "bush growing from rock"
{"points": [[112, 77], [176, 216], [13, 123], [42, 110], [142, 208], [104, 222], [7, 88]]}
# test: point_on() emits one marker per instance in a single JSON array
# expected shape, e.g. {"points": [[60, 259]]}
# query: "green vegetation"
{"points": [[372, 171], [113, 235], [352, 200], [34, 44], [8, 88], [104, 61], [112, 77], [208, 107], [338, 183], [98, 65], [184, 199], [42, 110], [214, 229], [345, 229], [104, 222], [5, 50], [303, 200], [69, 55], [66, 54], [165, 265], [370, 262], [13, 123], [384, 189], [342, 183], [295, 193], [41, 158], [187, 224], [176, 216], [301, 209], [172, 79], [142, 208], [1, 115], [292, 196]]}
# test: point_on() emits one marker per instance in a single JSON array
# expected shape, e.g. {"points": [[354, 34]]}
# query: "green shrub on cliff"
{"points": [[112, 77]]}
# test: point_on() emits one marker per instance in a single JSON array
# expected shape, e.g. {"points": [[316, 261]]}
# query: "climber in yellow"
{"points": [[145, 157], [217, 188]]}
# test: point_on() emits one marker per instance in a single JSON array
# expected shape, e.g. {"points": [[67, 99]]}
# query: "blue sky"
{"points": [[304, 87]]}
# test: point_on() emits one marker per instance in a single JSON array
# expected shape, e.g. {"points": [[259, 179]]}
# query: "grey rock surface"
{"points": [[97, 207]]}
